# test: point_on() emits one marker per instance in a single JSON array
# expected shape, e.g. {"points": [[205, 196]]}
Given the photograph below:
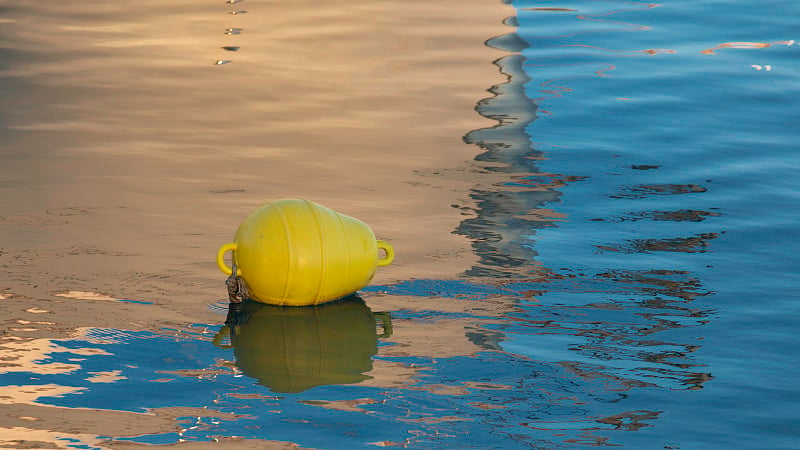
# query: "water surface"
{"points": [[607, 259]]}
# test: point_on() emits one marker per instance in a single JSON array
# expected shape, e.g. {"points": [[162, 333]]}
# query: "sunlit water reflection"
{"points": [[633, 282]]}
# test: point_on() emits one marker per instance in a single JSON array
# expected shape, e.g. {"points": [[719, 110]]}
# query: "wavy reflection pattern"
{"points": [[575, 305]]}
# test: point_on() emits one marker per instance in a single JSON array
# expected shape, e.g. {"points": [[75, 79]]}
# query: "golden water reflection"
{"points": [[115, 116]]}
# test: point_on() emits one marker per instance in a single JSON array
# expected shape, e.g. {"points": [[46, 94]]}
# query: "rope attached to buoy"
{"points": [[237, 288]]}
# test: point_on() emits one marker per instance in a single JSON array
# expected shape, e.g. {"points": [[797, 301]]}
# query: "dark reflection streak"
{"points": [[681, 215], [694, 244], [659, 283], [231, 31], [550, 9], [647, 190], [500, 229]]}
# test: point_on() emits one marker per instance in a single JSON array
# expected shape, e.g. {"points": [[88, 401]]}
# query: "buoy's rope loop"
{"points": [[237, 288]]}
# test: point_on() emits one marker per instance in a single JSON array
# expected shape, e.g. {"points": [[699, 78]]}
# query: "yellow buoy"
{"points": [[295, 252]]}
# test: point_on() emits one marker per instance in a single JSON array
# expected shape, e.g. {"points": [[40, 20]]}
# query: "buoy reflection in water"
{"points": [[290, 349]]}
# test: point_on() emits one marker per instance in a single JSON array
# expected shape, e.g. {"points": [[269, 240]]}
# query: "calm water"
{"points": [[633, 223]]}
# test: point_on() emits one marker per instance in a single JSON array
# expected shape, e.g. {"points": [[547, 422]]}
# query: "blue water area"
{"points": [[636, 282]]}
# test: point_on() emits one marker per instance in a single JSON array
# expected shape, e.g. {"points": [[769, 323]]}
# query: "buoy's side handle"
{"points": [[389, 257], [231, 246]]}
